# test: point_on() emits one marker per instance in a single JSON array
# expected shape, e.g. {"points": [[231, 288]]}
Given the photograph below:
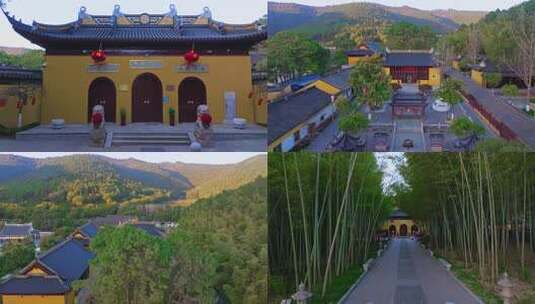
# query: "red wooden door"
{"points": [[102, 92], [147, 99], [191, 94]]}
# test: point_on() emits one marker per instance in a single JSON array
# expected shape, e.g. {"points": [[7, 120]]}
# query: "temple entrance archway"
{"points": [[191, 94], [147, 99], [102, 92], [403, 230], [392, 231]]}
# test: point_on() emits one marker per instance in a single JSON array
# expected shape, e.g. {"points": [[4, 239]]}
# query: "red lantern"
{"points": [[206, 120], [19, 105], [33, 100], [97, 120], [98, 56], [191, 57]]}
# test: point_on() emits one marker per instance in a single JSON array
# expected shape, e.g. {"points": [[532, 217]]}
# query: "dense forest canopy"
{"points": [[218, 251]]}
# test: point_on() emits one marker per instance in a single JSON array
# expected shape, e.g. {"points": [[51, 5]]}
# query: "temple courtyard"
{"points": [[415, 133]]}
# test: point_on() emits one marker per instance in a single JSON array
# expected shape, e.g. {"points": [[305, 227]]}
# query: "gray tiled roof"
{"points": [[183, 31], [409, 58], [8, 72], [69, 259], [33, 285], [150, 229], [16, 230], [340, 79], [399, 214], [290, 111]]}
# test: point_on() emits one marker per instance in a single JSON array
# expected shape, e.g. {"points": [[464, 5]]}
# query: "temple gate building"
{"points": [[412, 67], [143, 67], [400, 224]]}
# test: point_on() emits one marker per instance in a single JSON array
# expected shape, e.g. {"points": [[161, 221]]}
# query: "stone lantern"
{"points": [[302, 296], [506, 286]]}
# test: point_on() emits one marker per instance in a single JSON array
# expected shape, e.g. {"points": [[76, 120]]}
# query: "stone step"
{"points": [[150, 137], [128, 142]]}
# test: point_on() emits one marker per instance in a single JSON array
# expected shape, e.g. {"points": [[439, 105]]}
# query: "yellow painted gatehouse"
{"points": [[143, 67]]}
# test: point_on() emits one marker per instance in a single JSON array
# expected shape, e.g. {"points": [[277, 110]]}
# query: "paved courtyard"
{"points": [[76, 138], [421, 132], [407, 274]]}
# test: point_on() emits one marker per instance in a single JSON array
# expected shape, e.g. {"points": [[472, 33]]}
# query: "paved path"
{"points": [[324, 138], [521, 124], [406, 274]]}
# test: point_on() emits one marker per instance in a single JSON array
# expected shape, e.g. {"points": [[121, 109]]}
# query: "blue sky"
{"points": [[186, 157], [63, 11]]}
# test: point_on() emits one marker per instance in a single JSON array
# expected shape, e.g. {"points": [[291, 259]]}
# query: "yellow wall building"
{"points": [[145, 65], [413, 67], [19, 87], [362, 52], [400, 224]]}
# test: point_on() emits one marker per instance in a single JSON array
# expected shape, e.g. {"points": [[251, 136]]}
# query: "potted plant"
{"points": [[123, 116], [172, 116]]}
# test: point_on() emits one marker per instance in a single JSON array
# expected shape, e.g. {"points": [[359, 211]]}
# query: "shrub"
{"points": [[493, 79], [463, 127], [353, 123], [510, 90]]}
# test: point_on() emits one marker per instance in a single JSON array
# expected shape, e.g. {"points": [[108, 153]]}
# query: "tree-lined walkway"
{"points": [[406, 274], [522, 125]]}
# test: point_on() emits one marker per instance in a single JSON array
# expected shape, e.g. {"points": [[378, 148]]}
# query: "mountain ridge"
{"points": [[286, 15]]}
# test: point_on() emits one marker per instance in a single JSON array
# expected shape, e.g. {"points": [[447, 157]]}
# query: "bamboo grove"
{"points": [[478, 208], [324, 210]]}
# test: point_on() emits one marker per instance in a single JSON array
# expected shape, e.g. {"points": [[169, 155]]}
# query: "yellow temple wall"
{"points": [[352, 60], [435, 78], [325, 87], [456, 64], [478, 77], [260, 99], [398, 222], [66, 82], [37, 299], [9, 112]]}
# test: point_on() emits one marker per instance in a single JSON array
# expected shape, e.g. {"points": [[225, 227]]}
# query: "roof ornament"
{"points": [[116, 13], [206, 13], [172, 10], [82, 14]]}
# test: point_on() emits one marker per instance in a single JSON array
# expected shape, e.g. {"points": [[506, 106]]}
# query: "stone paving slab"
{"points": [[406, 274]]}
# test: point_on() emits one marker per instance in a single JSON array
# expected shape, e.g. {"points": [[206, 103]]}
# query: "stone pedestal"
{"points": [[98, 136]]}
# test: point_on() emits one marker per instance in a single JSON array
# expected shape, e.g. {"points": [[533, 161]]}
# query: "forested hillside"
{"points": [[218, 251], [63, 191], [327, 20]]}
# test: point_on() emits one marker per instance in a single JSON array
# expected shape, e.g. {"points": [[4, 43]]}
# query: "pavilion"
{"points": [[400, 224]]}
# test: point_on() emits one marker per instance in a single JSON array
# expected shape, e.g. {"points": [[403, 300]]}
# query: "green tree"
{"points": [[370, 83], [449, 92], [15, 256], [464, 127], [344, 106], [493, 80], [408, 36], [353, 123], [510, 90], [292, 54], [130, 267]]}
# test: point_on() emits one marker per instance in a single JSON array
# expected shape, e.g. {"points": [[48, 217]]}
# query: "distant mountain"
{"points": [[14, 50], [103, 178], [287, 16], [209, 180]]}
